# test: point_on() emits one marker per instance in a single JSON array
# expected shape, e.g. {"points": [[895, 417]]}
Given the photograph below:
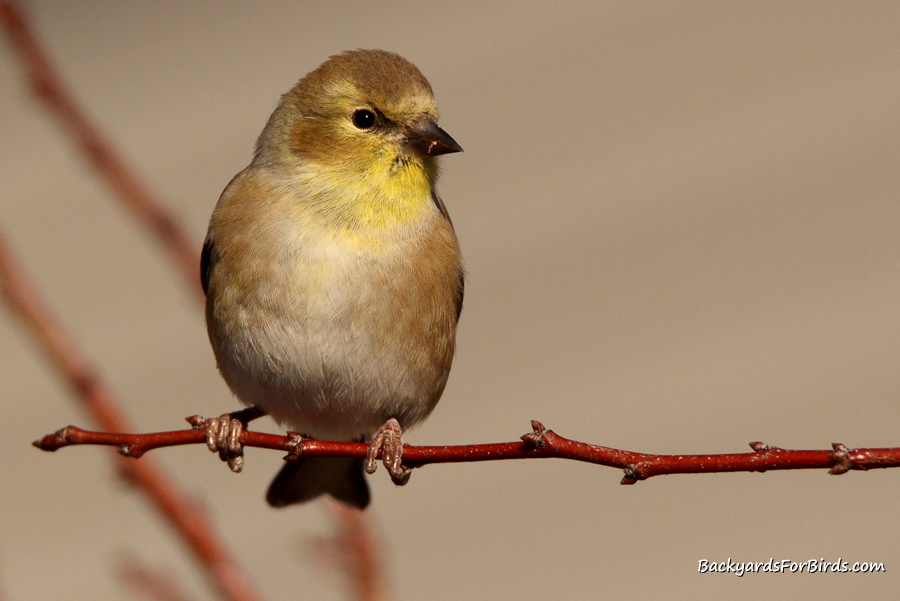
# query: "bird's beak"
{"points": [[425, 139]]}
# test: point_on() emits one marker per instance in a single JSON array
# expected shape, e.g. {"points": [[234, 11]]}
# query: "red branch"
{"points": [[99, 151], [24, 300], [538, 444], [360, 554]]}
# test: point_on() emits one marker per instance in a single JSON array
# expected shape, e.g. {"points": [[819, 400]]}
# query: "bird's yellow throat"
{"points": [[367, 204]]}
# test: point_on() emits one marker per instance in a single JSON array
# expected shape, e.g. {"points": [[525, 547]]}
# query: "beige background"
{"points": [[680, 225]]}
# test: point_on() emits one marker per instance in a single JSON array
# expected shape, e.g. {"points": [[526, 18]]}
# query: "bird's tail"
{"points": [[305, 479]]}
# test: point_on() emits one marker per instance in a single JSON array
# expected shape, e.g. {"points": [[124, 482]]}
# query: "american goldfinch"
{"points": [[332, 272]]}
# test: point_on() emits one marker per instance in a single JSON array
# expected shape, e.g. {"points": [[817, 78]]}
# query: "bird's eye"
{"points": [[364, 119]]}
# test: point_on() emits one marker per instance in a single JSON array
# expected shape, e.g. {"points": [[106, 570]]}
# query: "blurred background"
{"points": [[680, 224]]}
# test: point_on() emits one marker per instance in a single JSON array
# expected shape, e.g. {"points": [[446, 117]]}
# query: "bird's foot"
{"points": [[223, 434], [388, 440]]}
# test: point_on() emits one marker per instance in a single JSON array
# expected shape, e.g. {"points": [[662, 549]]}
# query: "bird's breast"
{"points": [[333, 332]]}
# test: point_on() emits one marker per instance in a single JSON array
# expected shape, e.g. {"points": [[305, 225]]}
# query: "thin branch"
{"points": [[122, 179], [541, 443], [191, 524], [360, 554]]}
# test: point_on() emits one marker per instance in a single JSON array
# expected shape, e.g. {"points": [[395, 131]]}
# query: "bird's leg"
{"points": [[390, 443], [223, 434]]}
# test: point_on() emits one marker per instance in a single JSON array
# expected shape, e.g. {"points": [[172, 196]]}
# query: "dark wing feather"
{"points": [[207, 259], [460, 292]]}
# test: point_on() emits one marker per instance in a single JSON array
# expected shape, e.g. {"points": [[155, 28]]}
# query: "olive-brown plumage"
{"points": [[332, 271]]}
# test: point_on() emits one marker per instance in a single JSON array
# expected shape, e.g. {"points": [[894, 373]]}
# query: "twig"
{"points": [[24, 300], [120, 177], [541, 443]]}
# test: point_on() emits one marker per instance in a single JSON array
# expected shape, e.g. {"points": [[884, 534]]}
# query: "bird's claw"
{"points": [[389, 441], [223, 436]]}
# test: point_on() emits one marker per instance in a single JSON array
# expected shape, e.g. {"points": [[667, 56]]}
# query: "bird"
{"points": [[333, 275]]}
